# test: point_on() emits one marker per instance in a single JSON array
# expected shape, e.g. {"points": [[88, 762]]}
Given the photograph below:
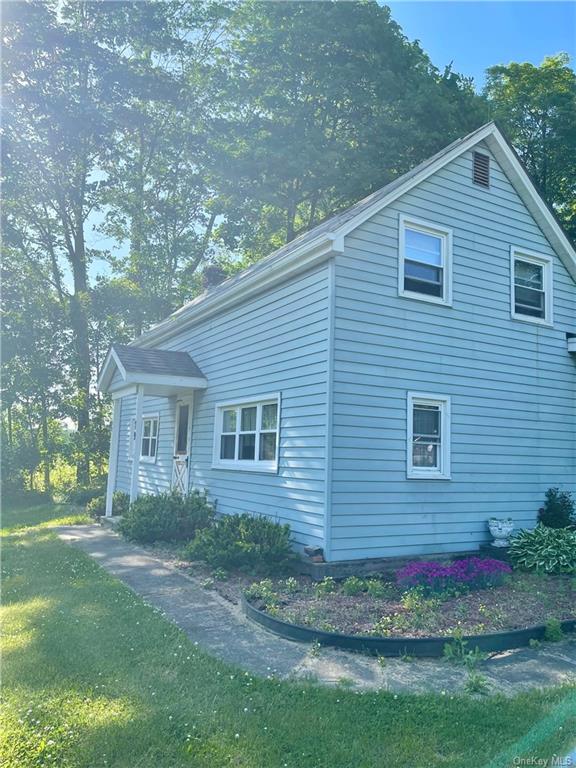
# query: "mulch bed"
{"points": [[524, 601]]}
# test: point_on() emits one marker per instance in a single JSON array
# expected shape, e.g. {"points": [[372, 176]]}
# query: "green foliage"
{"points": [[244, 542], [558, 509], [536, 105], [263, 592], [553, 631], [17, 499], [353, 586], [325, 587], [376, 588], [96, 507], [543, 549], [476, 683], [167, 517], [457, 652], [80, 496]]}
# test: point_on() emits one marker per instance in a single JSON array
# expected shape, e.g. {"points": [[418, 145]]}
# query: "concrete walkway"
{"points": [[221, 629]]}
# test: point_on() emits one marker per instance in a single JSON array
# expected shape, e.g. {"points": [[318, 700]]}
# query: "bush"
{"points": [[548, 550], [459, 576], [81, 495], [558, 510], [166, 517], [353, 586], [244, 542], [97, 506]]}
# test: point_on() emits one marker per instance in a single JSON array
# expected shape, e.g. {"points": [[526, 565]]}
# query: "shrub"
{"points": [[81, 495], [97, 506], [243, 542], [458, 576], [325, 587], [548, 550], [353, 586], [558, 510], [166, 517]]}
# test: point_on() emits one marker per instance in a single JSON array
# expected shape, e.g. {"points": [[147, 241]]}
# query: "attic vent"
{"points": [[481, 171]]}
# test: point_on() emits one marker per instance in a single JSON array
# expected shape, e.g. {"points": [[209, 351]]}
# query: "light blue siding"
{"points": [[275, 342], [512, 384]]}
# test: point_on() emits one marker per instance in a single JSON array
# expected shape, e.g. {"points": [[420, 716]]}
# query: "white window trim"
{"points": [[547, 263], [147, 417], [270, 467], [421, 473], [428, 228]]}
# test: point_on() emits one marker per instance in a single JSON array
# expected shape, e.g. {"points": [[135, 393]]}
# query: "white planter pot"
{"points": [[501, 531]]}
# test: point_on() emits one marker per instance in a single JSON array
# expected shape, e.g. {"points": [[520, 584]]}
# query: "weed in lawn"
{"points": [[220, 574], [553, 631], [476, 683], [534, 643], [207, 583], [456, 652], [315, 649], [382, 661]]}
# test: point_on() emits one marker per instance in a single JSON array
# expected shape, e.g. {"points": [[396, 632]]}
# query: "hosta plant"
{"points": [[548, 550]]}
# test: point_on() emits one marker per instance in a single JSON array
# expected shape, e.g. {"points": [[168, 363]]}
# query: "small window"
{"points": [[246, 435], [149, 438], [481, 169], [428, 436], [425, 256], [531, 287]]}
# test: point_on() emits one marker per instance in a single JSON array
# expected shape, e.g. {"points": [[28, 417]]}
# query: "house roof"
{"points": [[327, 238], [159, 371], [158, 361]]}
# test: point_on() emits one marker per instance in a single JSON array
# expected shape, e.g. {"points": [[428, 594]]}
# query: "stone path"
{"points": [[222, 630]]}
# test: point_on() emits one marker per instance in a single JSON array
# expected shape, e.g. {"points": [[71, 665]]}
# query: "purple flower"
{"points": [[460, 575]]}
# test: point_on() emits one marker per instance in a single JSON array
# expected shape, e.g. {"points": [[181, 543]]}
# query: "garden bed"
{"points": [[524, 600]]}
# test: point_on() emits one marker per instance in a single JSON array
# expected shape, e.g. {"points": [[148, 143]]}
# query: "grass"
{"points": [[94, 677]]}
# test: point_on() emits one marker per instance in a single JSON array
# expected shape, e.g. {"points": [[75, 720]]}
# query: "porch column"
{"points": [[113, 457], [137, 443]]}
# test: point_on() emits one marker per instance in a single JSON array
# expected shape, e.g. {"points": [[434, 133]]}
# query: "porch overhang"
{"points": [[158, 372]]}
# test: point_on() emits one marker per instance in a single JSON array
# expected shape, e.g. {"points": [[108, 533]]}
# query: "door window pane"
{"points": [[182, 434]]}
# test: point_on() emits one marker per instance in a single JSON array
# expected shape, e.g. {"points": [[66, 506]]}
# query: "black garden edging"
{"points": [[398, 646]]}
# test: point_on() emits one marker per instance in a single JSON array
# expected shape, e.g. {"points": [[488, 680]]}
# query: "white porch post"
{"points": [[137, 443], [113, 457]]}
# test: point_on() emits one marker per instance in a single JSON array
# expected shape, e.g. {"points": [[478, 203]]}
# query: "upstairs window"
{"points": [[425, 261], [481, 169], [246, 435], [149, 438], [428, 436], [531, 287]]}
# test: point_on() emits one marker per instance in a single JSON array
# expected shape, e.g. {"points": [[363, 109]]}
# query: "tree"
{"points": [[69, 81], [320, 104], [536, 108]]}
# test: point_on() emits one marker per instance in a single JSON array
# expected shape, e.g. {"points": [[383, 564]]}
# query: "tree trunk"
{"points": [[46, 442]]}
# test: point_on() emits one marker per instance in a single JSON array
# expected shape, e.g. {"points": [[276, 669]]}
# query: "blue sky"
{"points": [[476, 35]]}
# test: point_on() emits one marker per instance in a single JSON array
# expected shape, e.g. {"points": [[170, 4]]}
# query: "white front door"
{"points": [[180, 467]]}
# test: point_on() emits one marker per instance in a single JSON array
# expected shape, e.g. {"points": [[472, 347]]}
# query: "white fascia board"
{"points": [[301, 259], [183, 382], [107, 371]]}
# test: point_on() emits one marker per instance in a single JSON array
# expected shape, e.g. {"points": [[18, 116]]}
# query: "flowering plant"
{"points": [[460, 575]]}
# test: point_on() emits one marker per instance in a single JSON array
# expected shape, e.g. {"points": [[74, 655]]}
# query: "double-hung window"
{"points": [[425, 261], [149, 445], [246, 435], [428, 436], [531, 287]]}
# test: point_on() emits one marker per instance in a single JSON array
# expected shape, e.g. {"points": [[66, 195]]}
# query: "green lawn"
{"points": [[93, 677]]}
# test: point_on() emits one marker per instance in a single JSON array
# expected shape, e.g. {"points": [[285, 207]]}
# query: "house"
{"points": [[385, 383]]}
